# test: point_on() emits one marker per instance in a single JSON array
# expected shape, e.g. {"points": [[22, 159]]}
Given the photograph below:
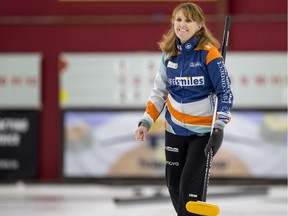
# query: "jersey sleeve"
{"points": [[222, 85], [158, 95]]}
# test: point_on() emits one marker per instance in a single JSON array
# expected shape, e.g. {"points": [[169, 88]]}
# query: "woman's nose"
{"points": [[182, 23]]}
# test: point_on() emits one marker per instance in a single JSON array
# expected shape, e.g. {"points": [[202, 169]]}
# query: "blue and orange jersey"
{"points": [[185, 86]]}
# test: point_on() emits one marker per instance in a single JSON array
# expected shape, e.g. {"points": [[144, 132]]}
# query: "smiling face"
{"points": [[184, 27]]}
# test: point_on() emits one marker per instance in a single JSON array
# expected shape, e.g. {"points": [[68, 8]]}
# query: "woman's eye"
{"points": [[186, 20]]}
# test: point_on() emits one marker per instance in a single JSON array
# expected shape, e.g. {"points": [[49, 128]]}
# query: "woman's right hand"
{"points": [[140, 133]]}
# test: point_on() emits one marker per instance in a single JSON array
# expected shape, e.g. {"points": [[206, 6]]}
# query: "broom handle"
{"points": [[209, 157], [225, 36], [210, 154]]}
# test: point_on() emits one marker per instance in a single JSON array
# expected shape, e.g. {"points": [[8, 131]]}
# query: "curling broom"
{"points": [[202, 207]]}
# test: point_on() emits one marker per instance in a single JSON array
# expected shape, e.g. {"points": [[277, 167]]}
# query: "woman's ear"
{"points": [[200, 25]]}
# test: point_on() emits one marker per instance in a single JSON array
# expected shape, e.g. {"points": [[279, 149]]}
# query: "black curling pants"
{"points": [[185, 169]]}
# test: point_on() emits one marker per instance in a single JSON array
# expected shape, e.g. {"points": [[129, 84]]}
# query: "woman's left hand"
{"points": [[214, 142]]}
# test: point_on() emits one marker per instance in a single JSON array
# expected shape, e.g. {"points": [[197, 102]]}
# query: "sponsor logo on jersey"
{"points": [[225, 81], [223, 116], [172, 65], [179, 47], [195, 64], [188, 46], [193, 195], [172, 163], [187, 81], [171, 149]]}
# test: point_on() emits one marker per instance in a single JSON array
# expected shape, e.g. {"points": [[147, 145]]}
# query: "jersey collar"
{"points": [[189, 46]]}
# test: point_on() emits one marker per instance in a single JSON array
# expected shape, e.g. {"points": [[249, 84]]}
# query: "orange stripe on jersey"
{"points": [[189, 119], [167, 58], [212, 54], [152, 111]]}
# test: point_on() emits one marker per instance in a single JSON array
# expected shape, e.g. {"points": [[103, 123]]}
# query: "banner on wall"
{"points": [[259, 79], [93, 80], [20, 81], [101, 144], [106, 79], [18, 144]]}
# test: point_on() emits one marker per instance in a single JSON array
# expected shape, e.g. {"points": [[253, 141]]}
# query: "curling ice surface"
{"points": [[94, 200]]}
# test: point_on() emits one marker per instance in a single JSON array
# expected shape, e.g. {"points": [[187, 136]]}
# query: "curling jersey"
{"points": [[184, 86]]}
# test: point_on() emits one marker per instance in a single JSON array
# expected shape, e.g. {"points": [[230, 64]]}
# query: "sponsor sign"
{"points": [[20, 81], [101, 144], [18, 144]]}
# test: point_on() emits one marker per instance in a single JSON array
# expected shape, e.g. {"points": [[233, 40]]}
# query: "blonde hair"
{"points": [[192, 12]]}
